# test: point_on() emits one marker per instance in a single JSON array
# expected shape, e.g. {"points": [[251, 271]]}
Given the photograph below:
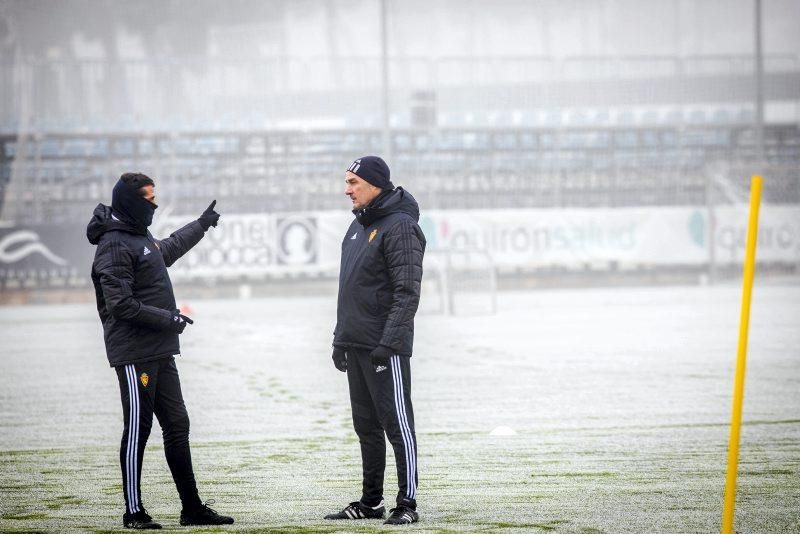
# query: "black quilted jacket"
{"points": [[133, 290], [380, 276]]}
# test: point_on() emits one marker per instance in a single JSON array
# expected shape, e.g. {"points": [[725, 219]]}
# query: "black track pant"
{"points": [[381, 402], [148, 388]]}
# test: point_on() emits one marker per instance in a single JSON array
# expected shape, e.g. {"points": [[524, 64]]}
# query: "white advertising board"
{"points": [[309, 243]]}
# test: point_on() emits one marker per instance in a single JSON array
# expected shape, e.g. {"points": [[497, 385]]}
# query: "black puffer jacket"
{"points": [[381, 275], [134, 293]]}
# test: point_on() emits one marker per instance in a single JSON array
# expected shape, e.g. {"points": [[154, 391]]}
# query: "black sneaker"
{"points": [[358, 510], [402, 515], [140, 521], [204, 516]]}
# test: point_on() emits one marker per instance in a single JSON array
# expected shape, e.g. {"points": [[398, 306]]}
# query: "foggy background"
{"points": [[646, 119], [599, 152]]}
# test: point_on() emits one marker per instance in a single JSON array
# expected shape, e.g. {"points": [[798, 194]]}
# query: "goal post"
{"points": [[459, 282]]}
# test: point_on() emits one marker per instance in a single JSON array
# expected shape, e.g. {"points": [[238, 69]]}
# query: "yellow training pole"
{"points": [[741, 359]]}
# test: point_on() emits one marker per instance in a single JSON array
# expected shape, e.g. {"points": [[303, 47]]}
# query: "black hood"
{"points": [[388, 202], [131, 207], [103, 221]]}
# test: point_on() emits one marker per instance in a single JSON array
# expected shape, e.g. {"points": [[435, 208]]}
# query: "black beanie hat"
{"points": [[373, 170]]}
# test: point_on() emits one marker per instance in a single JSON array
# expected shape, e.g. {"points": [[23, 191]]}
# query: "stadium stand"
{"points": [[628, 132]]}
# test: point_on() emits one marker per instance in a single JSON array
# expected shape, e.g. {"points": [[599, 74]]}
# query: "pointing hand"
{"points": [[209, 217]]}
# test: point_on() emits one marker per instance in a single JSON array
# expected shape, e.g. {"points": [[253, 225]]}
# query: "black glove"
{"points": [[209, 217], [339, 359], [179, 322], [381, 355]]}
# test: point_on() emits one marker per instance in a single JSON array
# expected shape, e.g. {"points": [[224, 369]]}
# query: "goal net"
{"points": [[459, 282]]}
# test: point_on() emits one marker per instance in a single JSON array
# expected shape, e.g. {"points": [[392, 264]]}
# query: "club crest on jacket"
{"points": [[145, 378], [372, 234]]}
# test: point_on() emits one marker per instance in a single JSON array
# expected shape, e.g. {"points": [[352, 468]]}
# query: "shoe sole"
{"points": [[351, 519], [337, 517], [416, 520]]}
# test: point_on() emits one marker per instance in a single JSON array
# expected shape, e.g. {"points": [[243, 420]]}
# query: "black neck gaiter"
{"points": [[131, 207]]}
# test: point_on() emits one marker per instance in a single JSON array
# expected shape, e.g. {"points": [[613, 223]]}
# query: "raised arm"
{"points": [[181, 241]]}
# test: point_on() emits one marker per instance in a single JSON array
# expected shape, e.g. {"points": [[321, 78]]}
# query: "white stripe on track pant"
{"points": [[380, 398]]}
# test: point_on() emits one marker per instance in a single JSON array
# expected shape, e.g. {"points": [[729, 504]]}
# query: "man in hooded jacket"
{"points": [[379, 291], [141, 326]]}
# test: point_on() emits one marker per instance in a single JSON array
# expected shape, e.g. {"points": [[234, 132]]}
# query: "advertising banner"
{"points": [[655, 236], [257, 246], [573, 237], [44, 256], [778, 234], [262, 246]]}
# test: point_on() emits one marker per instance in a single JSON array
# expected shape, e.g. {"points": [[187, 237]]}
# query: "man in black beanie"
{"points": [[141, 326], [379, 291]]}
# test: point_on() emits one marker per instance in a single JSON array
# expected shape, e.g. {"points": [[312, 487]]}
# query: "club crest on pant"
{"points": [[372, 234], [145, 378]]}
